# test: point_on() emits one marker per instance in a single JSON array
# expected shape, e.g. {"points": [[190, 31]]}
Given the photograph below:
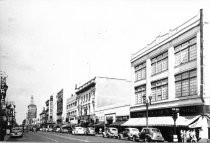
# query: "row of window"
{"points": [[85, 98], [185, 85], [72, 113], [184, 52], [73, 104]]}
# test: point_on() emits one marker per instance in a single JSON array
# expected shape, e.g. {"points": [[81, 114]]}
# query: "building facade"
{"points": [[60, 107], [98, 96], [43, 119], [72, 109], [32, 112], [171, 71]]}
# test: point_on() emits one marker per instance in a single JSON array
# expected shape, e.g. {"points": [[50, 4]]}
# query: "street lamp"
{"points": [[147, 102], [175, 112]]}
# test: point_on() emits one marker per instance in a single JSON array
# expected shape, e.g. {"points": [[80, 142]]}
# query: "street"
{"points": [[61, 137]]}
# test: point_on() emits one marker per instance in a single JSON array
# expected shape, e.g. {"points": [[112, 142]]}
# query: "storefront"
{"points": [[189, 118]]}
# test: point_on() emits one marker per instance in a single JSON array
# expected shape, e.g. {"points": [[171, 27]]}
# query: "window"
{"points": [[159, 63], [159, 90], [140, 72], [139, 92], [186, 83], [185, 52]]}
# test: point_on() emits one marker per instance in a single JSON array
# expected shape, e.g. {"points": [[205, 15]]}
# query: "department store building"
{"points": [[173, 71]]}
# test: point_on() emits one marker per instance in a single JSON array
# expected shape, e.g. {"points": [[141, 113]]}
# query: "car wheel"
{"points": [[147, 139], [119, 137], [133, 138]]}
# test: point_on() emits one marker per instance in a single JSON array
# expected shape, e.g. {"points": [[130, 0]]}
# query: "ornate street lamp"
{"points": [[175, 112], [147, 102]]}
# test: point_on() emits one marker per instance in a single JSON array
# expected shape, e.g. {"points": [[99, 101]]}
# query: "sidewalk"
{"points": [[204, 141]]}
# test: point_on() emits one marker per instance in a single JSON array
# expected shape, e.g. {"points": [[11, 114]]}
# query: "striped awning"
{"points": [[99, 124], [161, 121], [118, 123]]}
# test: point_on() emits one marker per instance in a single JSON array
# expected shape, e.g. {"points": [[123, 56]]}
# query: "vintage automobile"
{"points": [[79, 131], [151, 135], [16, 132], [90, 131], [64, 130], [110, 132], [129, 133]]}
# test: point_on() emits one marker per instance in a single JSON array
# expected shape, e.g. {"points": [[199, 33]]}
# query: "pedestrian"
{"points": [[193, 136], [100, 131], [187, 136], [182, 135]]}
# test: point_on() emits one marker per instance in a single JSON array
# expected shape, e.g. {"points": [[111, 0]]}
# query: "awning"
{"points": [[100, 124], [202, 121], [118, 123], [90, 124], [66, 126], [161, 121]]}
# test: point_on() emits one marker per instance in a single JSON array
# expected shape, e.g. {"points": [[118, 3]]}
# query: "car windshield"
{"points": [[155, 130], [136, 130], [114, 129], [16, 129]]}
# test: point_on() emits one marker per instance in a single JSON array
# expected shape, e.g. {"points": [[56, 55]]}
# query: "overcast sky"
{"points": [[47, 45]]}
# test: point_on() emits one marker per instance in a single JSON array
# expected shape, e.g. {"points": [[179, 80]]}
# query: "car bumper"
{"points": [[16, 135]]}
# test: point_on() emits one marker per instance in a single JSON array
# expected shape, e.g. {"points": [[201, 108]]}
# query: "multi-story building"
{"points": [[49, 112], [173, 72], [43, 119], [99, 96], [72, 109], [32, 112], [60, 107]]}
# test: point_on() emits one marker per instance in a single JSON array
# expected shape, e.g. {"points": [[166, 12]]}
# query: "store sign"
{"points": [[183, 111]]}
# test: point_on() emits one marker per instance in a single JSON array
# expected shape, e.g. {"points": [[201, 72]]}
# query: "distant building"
{"points": [[43, 119], [32, 112], [97, 95], [173, 72], [72, 109], [49, 112], [60, 106]]}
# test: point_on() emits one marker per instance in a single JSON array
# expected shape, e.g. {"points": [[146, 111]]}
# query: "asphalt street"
{"points": [[62, 137]]}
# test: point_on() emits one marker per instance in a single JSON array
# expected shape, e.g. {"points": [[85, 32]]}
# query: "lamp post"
{"points": [[147, 102], [175, 112]]}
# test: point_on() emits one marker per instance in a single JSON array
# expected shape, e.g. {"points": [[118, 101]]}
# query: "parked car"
{"points": [[150, 134], [49, 129], [44, 129], [90, 131], [110, 132], [64, 130], [16, 132], [129, 133], [79, 131], [58, 130]]}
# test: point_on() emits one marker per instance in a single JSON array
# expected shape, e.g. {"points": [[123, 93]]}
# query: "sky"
{"points": [[47, 45]]}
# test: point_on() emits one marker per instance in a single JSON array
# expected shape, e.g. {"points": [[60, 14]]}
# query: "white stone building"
{"points": [[102, 96], [72, 109], [173, 70]]}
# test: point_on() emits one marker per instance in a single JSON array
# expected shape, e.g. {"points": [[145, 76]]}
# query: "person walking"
{"points": [[185, 136], [182, 135], [193, 136]]}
